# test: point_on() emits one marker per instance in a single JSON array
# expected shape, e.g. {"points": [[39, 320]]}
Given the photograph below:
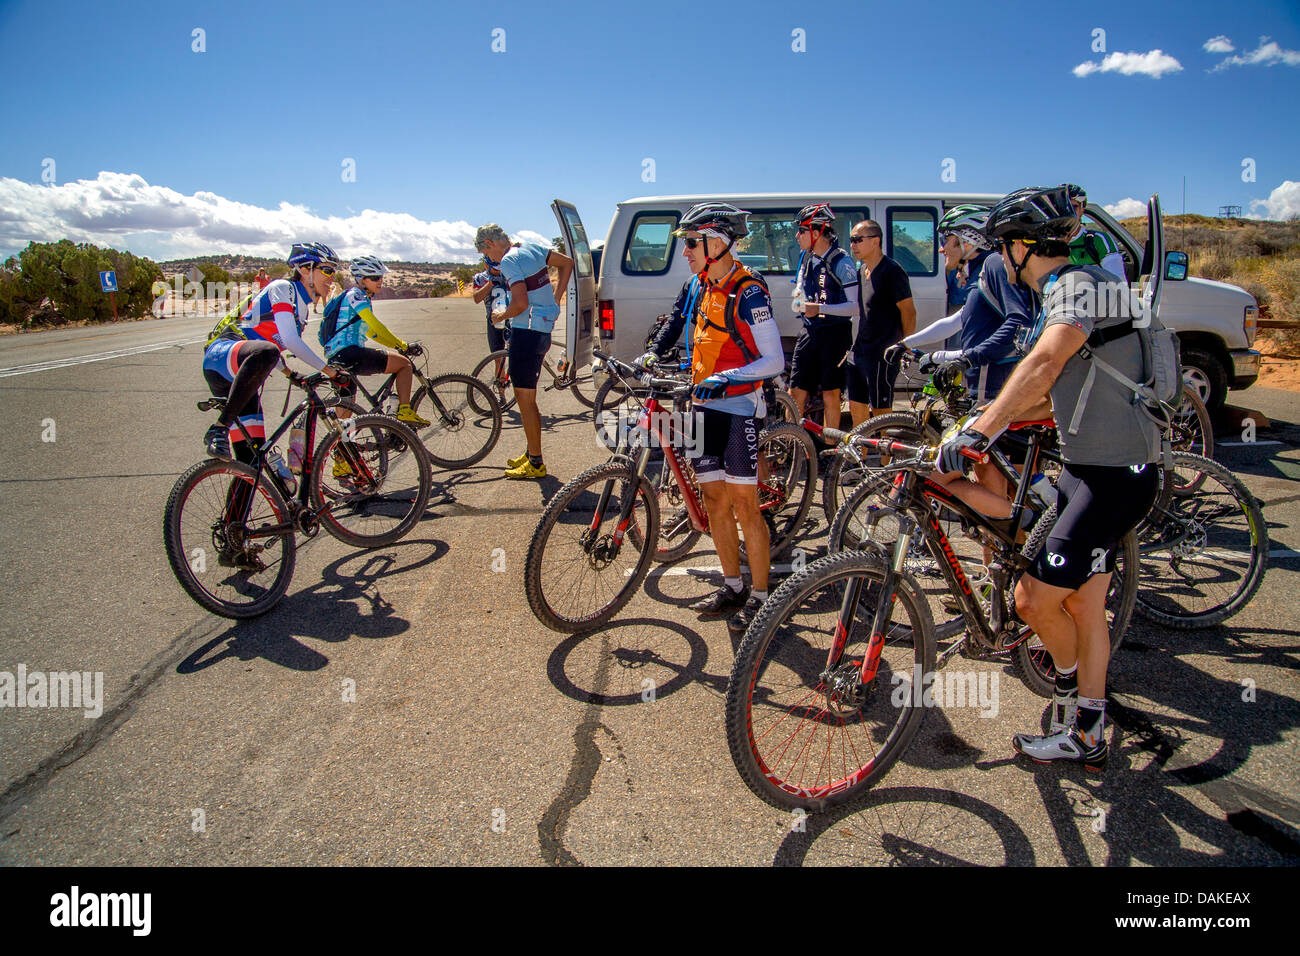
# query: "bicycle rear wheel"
{"points": [[787, 477], [677, 537], [210, 554], [576, 574], [375, 478], [613, 409], [802, 731], [459, 433], [1192, 433], [1203, 553], [1030, 659], [584, 385], [498, 382]]}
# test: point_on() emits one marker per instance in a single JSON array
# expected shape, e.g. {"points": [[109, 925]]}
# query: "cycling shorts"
{"points": [[527, 350], [1096, 506], [361, 360], [497, 338], [817, 364], [871, 380], [724, 447]]}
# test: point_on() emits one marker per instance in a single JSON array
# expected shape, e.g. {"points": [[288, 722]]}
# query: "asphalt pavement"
{"points": [[403, 706]]}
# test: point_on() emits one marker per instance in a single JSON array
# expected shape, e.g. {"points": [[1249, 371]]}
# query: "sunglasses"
{"points": [[693, 241], [856, 239], [326, 270]]}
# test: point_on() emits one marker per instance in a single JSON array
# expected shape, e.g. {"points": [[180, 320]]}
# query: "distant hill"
{"points": [[406, 280]]}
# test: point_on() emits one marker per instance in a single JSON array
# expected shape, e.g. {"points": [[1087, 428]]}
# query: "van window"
{"points": [[912, 239], [650, 244], [582, 251], [771, 247]]}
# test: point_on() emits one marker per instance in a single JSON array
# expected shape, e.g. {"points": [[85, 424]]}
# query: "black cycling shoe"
{"points": [[739, 622], [217, 441], [721, 602]]}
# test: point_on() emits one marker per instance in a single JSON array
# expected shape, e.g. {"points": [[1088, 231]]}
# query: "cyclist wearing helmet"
{"points": [[533, 307], [1108, 482], [1088, 247], [965, 249], [827, 297], [354, 324], [237, 363], [735, 345]]}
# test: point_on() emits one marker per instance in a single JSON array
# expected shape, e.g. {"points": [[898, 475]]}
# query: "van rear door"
{"points": [[1151, 275], [580, 301]]}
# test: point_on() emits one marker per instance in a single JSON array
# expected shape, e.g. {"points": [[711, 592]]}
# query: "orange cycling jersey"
{"points": [[720, 343]]}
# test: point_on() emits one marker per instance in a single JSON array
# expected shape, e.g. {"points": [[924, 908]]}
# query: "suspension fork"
{"points": [[625, 511]]}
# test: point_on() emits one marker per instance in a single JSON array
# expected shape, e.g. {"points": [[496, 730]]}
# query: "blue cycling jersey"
{"points": [[527, 264]]}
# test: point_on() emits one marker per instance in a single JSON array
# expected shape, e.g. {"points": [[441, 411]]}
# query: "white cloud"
{"points": [[1154, 64], [123, 211], [1126, 208], [1219, 44], [1282, 203], [1268, 53]]}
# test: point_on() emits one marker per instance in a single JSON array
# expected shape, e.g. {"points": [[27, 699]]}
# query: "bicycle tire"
{"points": [[1030, 659], [1192, 433], [676, 536], [1183, 527], [779, 641], [844, 474], [789, 457], [855, 521], [393, 455], [458, 434], [556, 566], [583, 386], [486, 372], [610, 406], [783, 409], [187, 551]]}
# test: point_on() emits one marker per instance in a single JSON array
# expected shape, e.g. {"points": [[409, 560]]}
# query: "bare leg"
{"points": [[744, 504], [402, 366], [831, 413], [722, 526], [531, 418]]}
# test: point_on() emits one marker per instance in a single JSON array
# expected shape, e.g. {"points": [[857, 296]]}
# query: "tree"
{"points": [[67, 274]]}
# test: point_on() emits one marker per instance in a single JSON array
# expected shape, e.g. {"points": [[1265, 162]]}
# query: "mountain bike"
{"points": [[464, 415], [826, 690], [229, 528], [595, 541], [494, 372]]}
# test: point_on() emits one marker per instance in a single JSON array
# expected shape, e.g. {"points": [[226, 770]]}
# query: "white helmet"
{"points": [[367, 267]]}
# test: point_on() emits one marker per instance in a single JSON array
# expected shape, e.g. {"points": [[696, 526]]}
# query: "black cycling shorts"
{"points": [[817, 364], [497, 338], [871, 379], [527, 350], [1096, 506], [361, 360], [724, 447]]}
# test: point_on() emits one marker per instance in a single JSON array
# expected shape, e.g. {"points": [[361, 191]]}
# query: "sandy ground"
{"points": [[1280, 369]]}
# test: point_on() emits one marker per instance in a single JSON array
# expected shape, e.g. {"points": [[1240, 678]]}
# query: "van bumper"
{"points": [[1245, 367]]}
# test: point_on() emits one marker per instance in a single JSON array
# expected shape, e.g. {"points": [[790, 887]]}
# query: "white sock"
{"points": [[733, 583]]}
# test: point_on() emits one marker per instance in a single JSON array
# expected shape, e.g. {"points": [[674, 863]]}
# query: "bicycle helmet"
{"points": [[967, 222], [1034, 213], [816, 214], [309, 253], [721, 220], [367, 267]]}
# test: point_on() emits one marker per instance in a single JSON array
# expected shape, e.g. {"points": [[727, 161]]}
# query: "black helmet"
{"points": [[1076, 193], [1034, 212], [721, 217], [816, 214]]}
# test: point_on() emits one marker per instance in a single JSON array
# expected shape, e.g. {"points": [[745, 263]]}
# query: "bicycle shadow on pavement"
{"points": [[632, 661], [325, 611], [907, 826]]}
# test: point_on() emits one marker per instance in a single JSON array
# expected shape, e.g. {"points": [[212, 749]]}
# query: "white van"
{"points": [[615, 295]]}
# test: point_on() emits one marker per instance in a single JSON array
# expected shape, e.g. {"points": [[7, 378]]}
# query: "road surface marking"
{"points": [[96, 357]]}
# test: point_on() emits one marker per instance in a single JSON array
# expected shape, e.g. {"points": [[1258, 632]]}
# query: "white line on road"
{"points": [[96, 357], [1246, 444]]}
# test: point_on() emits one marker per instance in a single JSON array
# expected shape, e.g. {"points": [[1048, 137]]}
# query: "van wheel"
{"points": [[1207, 377]]}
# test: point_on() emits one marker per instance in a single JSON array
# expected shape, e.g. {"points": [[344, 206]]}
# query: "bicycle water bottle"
{"points": [[297, 449], [1045, 490], [282, 469], [390, 406]]}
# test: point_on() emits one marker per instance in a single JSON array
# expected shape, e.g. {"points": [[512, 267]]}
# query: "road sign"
{"points": [[108, 281]]}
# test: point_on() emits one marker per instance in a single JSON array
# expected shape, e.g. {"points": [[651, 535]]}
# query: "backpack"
{"points": [[329, 326], [228, 324]]}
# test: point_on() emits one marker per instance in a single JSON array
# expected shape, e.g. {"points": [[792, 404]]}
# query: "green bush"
{"points": [[67, 274]]}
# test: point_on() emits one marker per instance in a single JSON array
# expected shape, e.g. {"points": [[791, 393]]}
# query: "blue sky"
{"points": [[444, 131]]}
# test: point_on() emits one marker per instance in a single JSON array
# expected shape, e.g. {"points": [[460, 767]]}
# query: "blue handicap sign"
{"points": [[108, 280]]}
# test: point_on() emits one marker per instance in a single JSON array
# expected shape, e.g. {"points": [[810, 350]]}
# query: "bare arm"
{"points": [[482, 292], [1033, 378], [565, 265], [907, 312]]}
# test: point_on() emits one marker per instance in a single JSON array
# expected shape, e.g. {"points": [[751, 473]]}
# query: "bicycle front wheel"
{"points": [[1203, 552], [804, 732], [370, 481], [494, 372], [216, 562], [844, 473], [582, 566], [1030, 659], [460, 432]]}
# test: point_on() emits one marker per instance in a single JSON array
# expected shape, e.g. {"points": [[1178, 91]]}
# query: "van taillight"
{"points": [[606, 319], [1250, 323]]}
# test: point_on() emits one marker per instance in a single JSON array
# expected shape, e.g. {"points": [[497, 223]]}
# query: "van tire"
{"points": [[1207, 376]]}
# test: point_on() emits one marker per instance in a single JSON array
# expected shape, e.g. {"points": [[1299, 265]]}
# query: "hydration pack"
{"points": [[329, 323]]}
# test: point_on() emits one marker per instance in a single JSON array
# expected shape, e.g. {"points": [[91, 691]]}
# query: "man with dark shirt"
{"points": [[886, 313]]}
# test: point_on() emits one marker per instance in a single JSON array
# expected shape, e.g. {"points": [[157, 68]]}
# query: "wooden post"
{"points": [[113, 300]]}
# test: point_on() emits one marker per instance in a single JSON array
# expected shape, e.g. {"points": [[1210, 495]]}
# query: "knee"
{"points": [[744, 504], [1078, 603], [1031, 602]]}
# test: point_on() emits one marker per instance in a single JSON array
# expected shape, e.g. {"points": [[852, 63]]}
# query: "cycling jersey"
{"points": [[356, 323], [961, 281], [527, 264], [715, 352], [278, 314], [990, 320], [1096, 249], [499, 297], [830, 282]]}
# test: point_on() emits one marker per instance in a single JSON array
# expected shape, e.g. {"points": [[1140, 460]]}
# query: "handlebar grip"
{"points": [[834, 435]]}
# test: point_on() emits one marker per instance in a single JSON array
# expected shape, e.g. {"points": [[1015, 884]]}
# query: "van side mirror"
{"points": [[1175, 266]]}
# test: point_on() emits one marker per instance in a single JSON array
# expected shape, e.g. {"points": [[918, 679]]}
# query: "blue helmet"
{"points": [[309, 253]]}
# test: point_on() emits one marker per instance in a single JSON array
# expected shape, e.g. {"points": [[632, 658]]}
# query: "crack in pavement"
{"points": [[16, 795]]}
